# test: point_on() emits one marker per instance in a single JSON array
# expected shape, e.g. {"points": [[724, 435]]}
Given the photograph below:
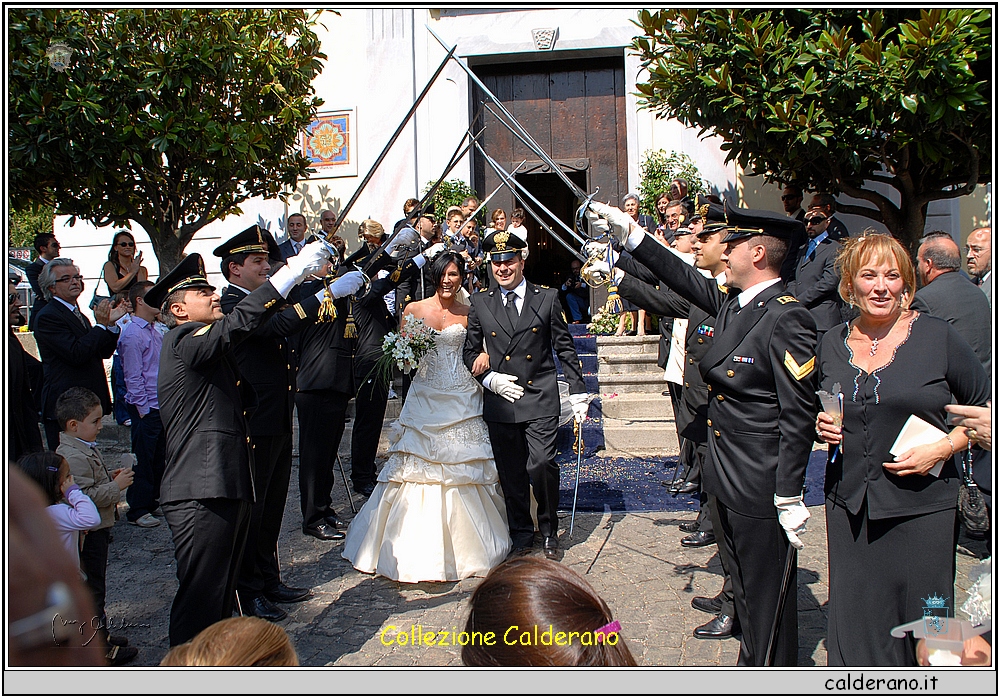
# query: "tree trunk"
{"points": [[169, 249], [914, 220]]}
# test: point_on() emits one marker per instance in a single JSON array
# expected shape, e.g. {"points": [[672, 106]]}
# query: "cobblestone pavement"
{"points": [[634, 561]]}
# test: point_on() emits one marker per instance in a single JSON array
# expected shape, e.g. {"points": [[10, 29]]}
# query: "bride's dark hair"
{"points": [[441, 263]]}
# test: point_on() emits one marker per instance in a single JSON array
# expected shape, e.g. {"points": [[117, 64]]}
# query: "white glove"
{"points": [[347, 285], [596, 273], [311, 259], [433, 251], [792, 515], [406, 236], [616, 221], [504, 385], [596, 249], [580, 403]]}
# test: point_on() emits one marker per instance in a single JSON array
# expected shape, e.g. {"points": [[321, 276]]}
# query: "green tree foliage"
{"points": [[658, 169], [24, 224], [452, 192], [834, 99], [171, 118]]}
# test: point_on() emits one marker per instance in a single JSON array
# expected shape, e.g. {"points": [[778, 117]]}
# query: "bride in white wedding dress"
{"points": [[437, 513]]}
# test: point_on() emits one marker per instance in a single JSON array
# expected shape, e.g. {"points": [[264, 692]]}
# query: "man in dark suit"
{"points": [[48, 249], [265, 363], [815, 281], [947, 294], [207, 488], [791, 201], [296, 229], [630, 204], [761, 386], [72, 350], [521, 324], [828, 205]]}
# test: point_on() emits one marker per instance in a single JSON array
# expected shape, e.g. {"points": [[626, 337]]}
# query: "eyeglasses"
{"points": [[815, 221], [790, 197], [76, 277], [126, 244], [12, 297]]}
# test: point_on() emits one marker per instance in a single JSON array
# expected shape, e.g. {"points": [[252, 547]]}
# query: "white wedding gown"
{"points": [[437, 513]]}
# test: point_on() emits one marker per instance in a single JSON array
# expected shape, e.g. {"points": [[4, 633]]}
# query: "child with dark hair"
{"points": [[540, 613], [70, 509], [517, 224], [79, 414]]}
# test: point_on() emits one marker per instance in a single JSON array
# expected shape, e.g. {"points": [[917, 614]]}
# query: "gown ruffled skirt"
{"points": [[437, 513]]}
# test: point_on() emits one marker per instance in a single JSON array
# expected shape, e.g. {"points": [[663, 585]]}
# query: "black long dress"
{"points": [[22, 405], [891, 538]]}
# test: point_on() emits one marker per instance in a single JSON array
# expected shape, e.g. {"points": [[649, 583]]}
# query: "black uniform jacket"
{"points": [[203, 403], [265, 362], [325, 355], [656, 298], [815, 283], [761, 381], [72, 355], [372, 317], [416, 287], [524, 351]]}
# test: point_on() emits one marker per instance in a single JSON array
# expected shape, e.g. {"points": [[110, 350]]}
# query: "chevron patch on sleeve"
{"points": [[799, 372]]}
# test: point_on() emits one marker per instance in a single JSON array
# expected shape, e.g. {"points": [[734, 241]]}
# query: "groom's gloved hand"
{"points": [[580, 402], [504, 385], [611, 219]]}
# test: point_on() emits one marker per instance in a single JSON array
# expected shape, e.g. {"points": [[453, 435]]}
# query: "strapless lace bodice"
{"points": [[443, 367]]}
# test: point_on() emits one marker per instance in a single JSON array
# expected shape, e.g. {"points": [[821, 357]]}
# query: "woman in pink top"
{"points": [[71, 510]]}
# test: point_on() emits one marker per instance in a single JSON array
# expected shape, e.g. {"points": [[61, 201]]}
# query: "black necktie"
{"points": [[510, 301], [728, 313]]}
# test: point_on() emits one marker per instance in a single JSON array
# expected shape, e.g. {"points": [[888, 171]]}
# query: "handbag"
{"points": [[971, 503]]}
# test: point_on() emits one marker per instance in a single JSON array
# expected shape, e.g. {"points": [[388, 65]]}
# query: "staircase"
{"points": [[638, 419]]}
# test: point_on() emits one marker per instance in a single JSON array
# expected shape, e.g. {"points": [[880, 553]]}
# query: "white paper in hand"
{"points": [[917, 432]]}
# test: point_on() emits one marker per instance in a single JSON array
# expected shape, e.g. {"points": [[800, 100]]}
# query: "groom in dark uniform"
{"points": [[520, 324]]}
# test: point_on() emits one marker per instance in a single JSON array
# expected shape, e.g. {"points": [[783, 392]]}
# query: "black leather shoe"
{"points": [[719, 628], [262, 608], [698, 540], [685, 488], [665, 393], [286, 594], [324, 531], [707, 604], [335, 521], [689, 526], [365, 490], [119, 656], [551, 547]]}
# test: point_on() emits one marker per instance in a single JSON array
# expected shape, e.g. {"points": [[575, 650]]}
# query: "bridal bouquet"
{"points": [[405, 349]]}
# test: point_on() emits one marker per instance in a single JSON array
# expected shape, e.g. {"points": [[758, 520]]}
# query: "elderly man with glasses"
{"points": [[72, 349]]}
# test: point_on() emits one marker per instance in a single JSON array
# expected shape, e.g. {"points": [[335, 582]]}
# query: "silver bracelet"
{"points": [[950, 443]]}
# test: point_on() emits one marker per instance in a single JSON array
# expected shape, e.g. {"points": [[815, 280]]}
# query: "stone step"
{"points": [[628, 363], [640, 437], [637, 406], [622, 383], [609, 345]]}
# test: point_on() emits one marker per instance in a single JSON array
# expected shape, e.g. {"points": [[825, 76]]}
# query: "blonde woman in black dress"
{"points": [[891, 524]]}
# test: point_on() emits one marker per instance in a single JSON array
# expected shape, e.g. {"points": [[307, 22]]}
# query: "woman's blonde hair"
{"points": [[243, 641], [371, 227], [873, 247]]}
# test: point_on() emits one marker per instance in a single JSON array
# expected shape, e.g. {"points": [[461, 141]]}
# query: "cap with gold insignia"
{"points": [[190, 273], [714, 215], [253, 240], [747, 222], [499, 246]]}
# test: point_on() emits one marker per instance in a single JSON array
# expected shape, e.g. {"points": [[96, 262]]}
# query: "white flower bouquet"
{"points": [[405, 349]]}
